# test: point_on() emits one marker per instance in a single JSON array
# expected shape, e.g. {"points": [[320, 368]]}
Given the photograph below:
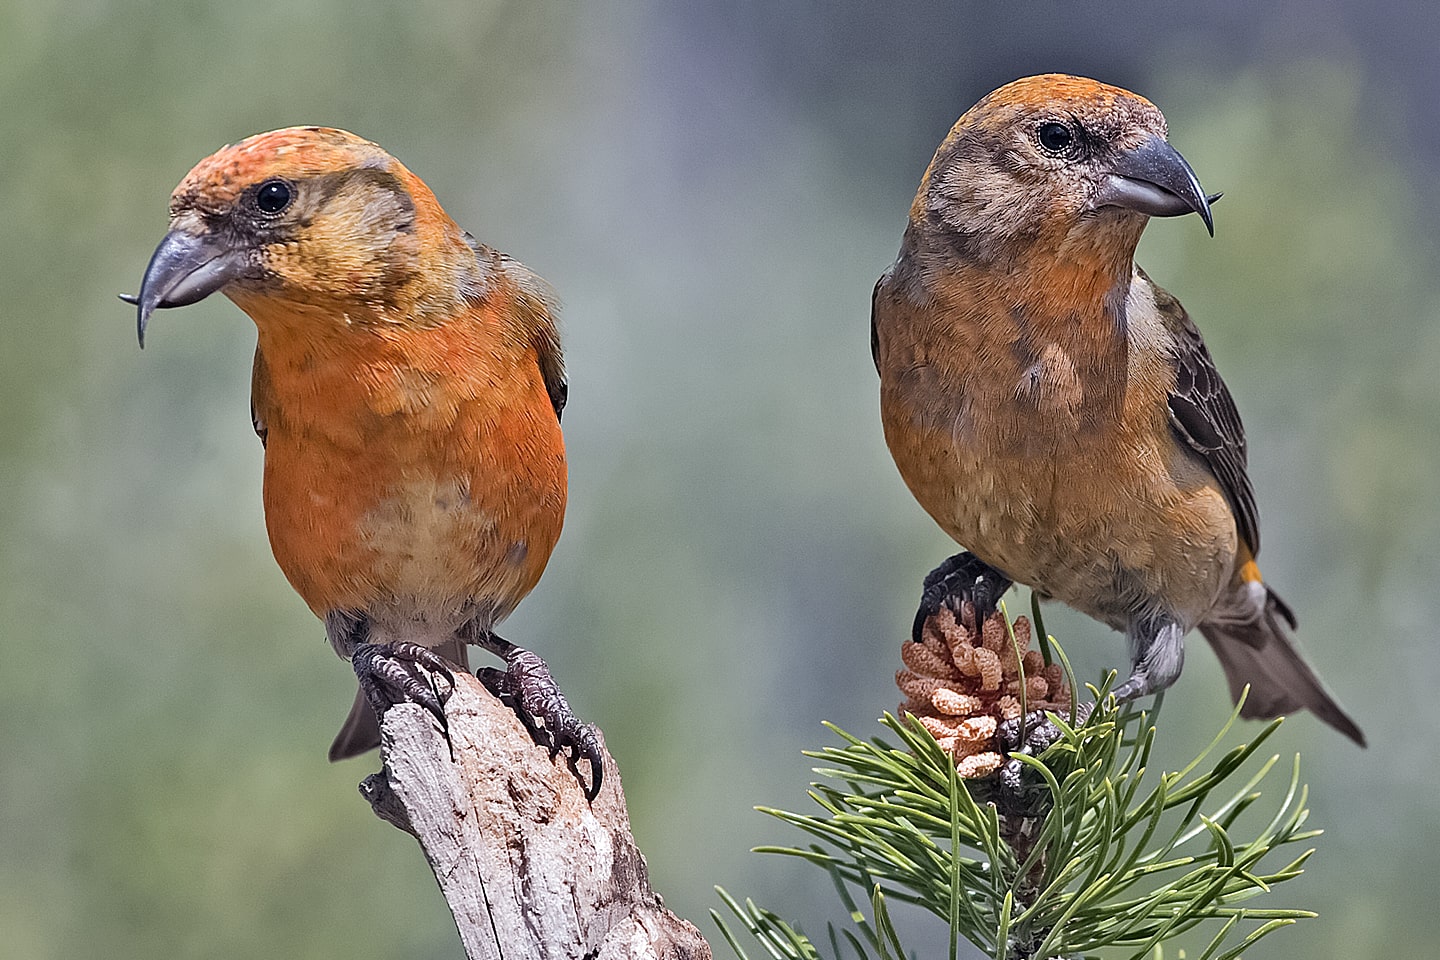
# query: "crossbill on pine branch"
{"points": [[407, 388], [1057, 413]]}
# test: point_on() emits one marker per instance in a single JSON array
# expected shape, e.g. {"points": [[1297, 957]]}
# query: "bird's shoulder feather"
{"points": [[535, 307], [1203, 413]]}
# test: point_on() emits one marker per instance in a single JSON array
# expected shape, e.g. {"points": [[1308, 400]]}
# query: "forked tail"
{"points": [[1260, 651]]}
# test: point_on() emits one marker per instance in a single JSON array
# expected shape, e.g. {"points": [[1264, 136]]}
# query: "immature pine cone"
{"points": [[962, 682]]}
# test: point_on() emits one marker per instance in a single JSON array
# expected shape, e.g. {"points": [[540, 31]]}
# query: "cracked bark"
{"points": [[528, 867]]}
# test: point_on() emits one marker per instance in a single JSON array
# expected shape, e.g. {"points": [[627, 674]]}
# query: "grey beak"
{"points": [[186, 268], [1154, 179]]}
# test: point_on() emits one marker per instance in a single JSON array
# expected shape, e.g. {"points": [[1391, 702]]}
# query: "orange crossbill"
{"points": [[1057, 413], [407, 388]]}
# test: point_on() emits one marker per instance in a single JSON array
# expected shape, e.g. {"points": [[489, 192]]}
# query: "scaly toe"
{"points": [[527, 686], [392, 673]]}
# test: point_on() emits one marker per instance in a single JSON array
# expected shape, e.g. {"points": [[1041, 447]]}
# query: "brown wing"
{"points": [[552, 371], [259, 396], [535, 302], [883, 282], [875, 337], [1203, 416]]}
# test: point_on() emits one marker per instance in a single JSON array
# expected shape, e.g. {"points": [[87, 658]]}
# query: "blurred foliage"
{"points": [[740, 557]]}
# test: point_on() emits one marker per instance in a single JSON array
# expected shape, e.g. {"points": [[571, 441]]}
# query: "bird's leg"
{"points": [[526, 685], [389, 673], [960, 579], [1157, 652]]}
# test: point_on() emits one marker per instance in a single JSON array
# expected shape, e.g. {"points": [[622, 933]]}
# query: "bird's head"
{"points": [[1050, 159], [307, 217]]}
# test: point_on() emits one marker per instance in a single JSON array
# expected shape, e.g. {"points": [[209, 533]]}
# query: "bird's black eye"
{"points": [[1055, 137], [273, 196]]}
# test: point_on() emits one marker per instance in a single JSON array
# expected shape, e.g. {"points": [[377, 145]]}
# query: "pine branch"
{"points": [[1065, 850]]}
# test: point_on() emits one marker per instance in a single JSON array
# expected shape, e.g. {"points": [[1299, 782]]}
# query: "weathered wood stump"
{"points": [[529, 868]]}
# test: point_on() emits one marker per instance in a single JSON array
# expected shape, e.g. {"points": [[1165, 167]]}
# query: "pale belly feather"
{"points": [[1099, 518]]}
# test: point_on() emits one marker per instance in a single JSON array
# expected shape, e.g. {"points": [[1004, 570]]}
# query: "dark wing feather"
{"points": [[874, 334], [259, 396], [552, 370], [1203, 416]]}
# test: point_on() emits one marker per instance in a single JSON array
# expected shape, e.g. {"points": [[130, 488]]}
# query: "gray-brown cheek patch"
{"points": [[517, 553]]}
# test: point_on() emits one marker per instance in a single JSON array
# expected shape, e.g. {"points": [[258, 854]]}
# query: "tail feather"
{"points": [[361, 730], [1260, 652]]}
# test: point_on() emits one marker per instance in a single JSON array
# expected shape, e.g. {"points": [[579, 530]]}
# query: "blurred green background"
{"points": [[713, 190]]}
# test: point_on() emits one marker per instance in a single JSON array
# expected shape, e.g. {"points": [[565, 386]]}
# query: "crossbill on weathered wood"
{"points": [[1057, 413], [407, 388]]}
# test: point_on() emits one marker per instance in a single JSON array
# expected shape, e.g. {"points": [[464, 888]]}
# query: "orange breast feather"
{"points": [[414, 468]]}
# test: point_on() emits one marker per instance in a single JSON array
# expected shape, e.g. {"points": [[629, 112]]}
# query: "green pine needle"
{"points": [[1125, 857]]}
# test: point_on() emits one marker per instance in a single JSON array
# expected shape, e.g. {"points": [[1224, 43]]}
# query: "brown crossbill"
{"points": [[407, 388], [1057, 413]]}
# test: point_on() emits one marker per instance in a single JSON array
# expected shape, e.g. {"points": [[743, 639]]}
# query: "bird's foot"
{"points": [[527, 686], [964, 578], [1132, 689], [391, 673]]}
